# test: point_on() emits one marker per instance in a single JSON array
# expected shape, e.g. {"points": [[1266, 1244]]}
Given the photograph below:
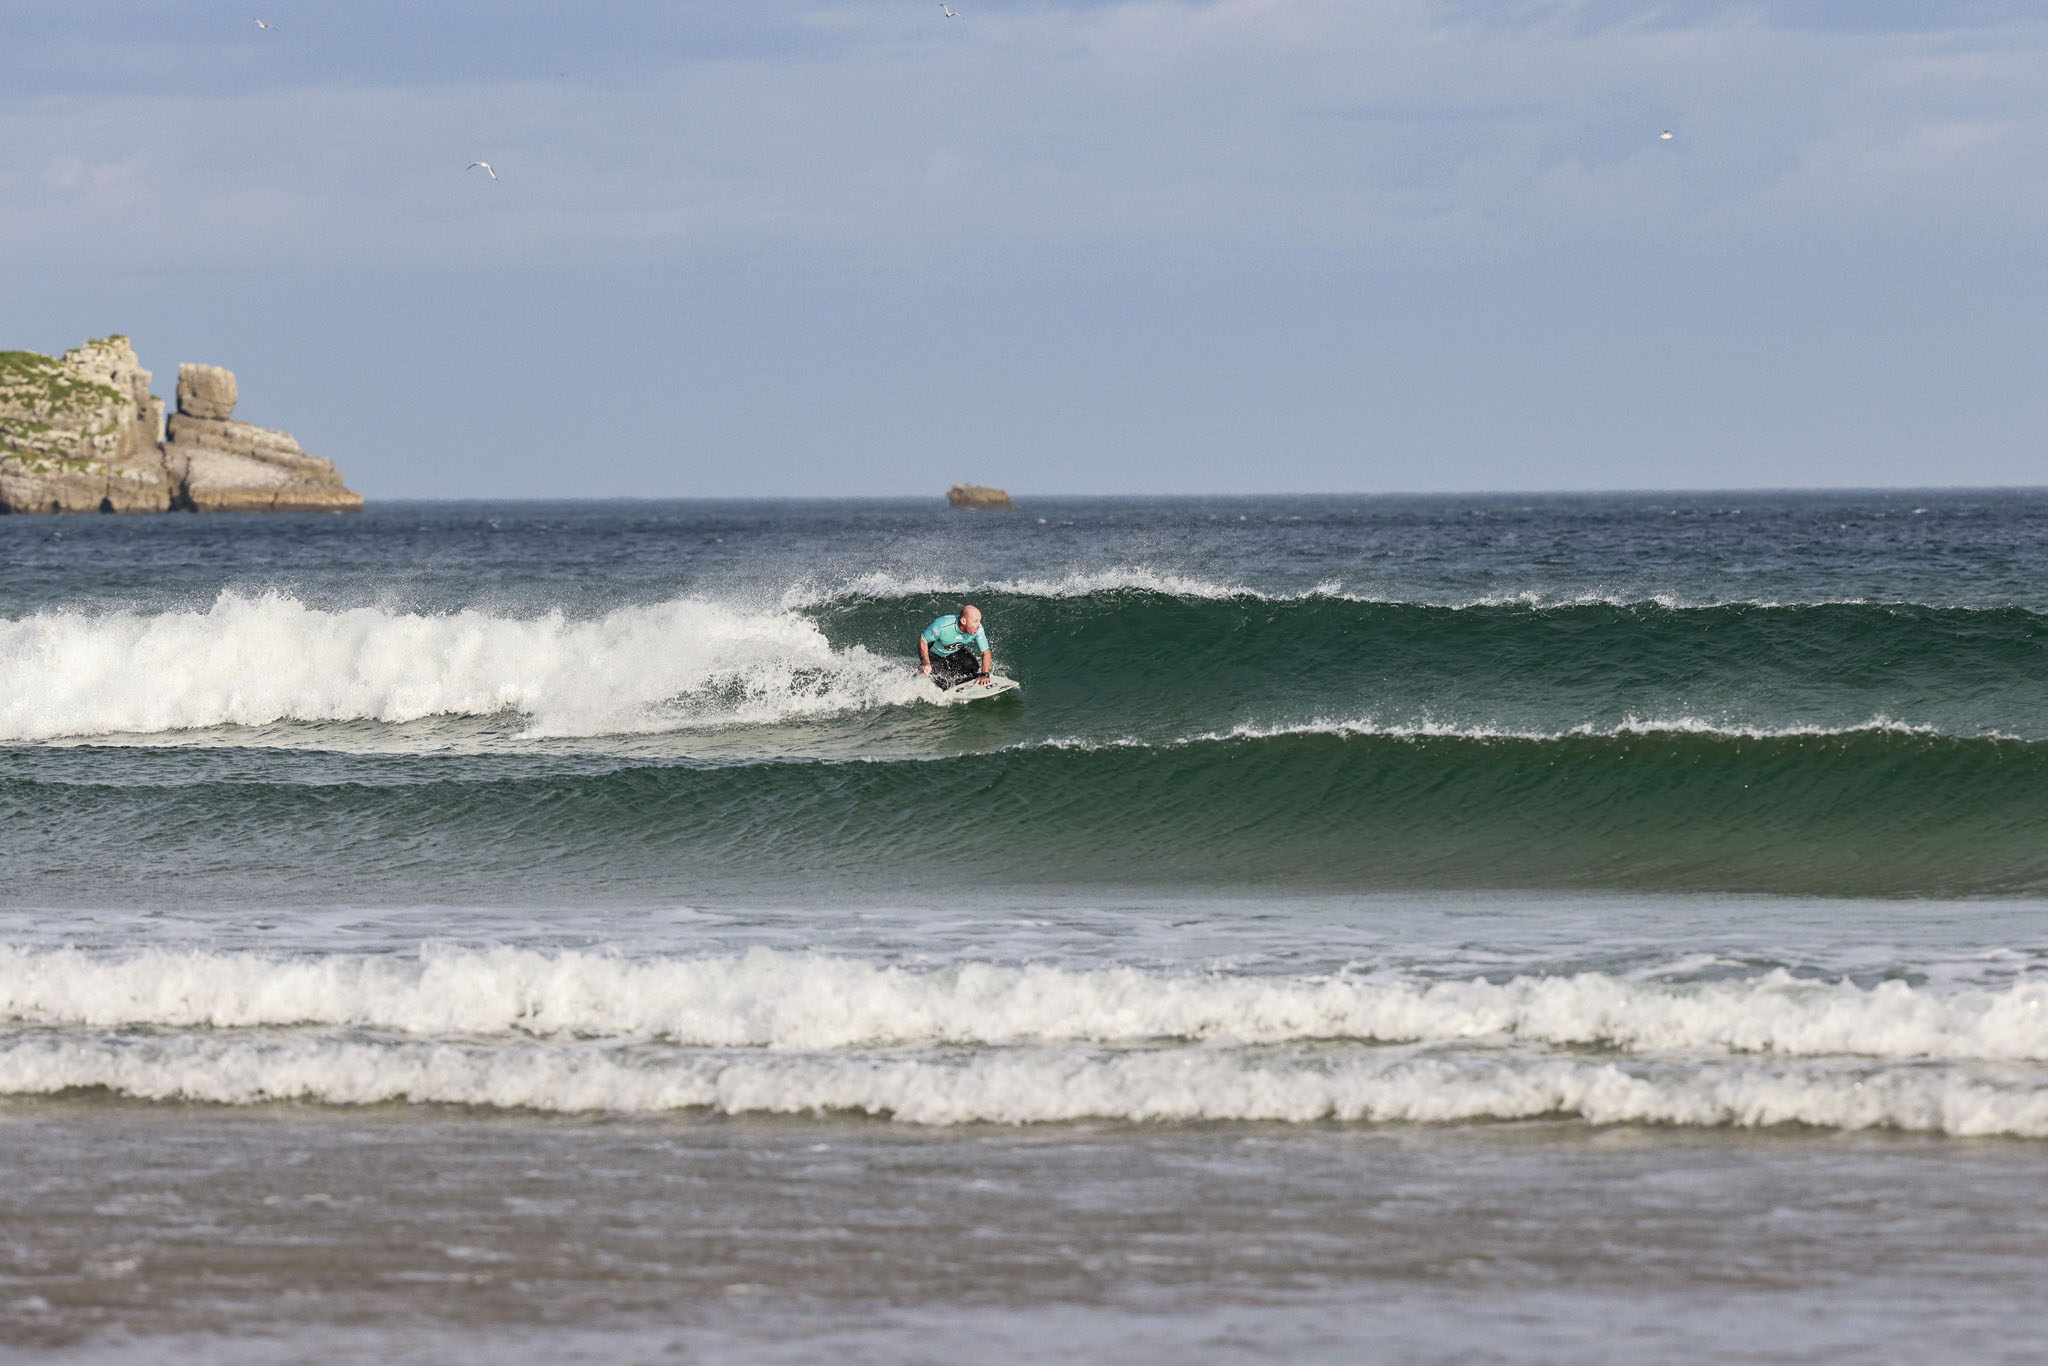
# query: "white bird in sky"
{"points": [[487, 168], [1664, 136], [261, 24], [947, 10]]}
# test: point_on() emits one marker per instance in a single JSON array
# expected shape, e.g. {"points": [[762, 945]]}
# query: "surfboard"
{"points": [[976, 691]]}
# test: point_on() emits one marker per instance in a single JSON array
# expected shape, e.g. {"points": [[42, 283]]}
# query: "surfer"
{"points": [[943, 648]]}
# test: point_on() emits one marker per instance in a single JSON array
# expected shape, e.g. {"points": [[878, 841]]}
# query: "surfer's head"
{"points": [[970, 618]]}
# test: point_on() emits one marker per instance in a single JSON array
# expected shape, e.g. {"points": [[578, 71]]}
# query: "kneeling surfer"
{"points": [[943, 648]]}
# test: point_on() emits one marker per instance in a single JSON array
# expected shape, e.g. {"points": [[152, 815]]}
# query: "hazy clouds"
{"points": [[1203, 182]]}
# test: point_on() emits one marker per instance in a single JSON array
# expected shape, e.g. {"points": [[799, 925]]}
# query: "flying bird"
{"points": [[947, 10], [1664, 136], [486, 167], [261, 24]]}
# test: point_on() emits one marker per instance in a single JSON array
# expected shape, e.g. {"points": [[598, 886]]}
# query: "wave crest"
{"points": [[252, 661], [1037, 1086], [792, 1002], [779, 1033]]}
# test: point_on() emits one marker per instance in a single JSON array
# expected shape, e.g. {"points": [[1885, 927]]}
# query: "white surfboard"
{"points": [[977, 691]]}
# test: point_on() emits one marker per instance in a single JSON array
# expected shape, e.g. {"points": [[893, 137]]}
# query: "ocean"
{"points": [[1511, 928]]}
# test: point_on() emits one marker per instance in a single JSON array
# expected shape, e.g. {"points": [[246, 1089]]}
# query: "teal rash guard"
{"points": [[945, 636]]}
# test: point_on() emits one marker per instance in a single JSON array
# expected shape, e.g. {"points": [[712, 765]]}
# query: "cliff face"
{"points": [[226, 466], [83, 433]]}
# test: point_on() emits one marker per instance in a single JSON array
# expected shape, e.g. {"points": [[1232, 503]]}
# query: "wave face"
{"points": [[1874, 812], [780, 1033], [1777, 697], [1147, 659], [1101, 662]]}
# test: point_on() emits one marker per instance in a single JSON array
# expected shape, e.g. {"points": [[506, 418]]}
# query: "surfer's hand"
{"points": [[925, 669]]}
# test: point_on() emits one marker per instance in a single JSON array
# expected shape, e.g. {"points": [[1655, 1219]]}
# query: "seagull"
{"points": [[946, 10], [487, 168], [261, 24], [1664, 136]]}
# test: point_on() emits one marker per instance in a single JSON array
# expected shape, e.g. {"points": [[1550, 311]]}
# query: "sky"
{"points": [[1103, 246]]}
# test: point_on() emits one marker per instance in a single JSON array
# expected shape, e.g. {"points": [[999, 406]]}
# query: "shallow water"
{"points": [[416, 1234]]}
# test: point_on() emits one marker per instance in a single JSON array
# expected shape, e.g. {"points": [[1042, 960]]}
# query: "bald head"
{"points": [[970, 618]]}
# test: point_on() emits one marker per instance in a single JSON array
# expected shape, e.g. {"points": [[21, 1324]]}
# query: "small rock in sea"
{"points": [[977, 496]]}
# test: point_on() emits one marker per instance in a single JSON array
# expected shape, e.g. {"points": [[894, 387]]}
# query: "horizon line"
{"points": [[940, 498]]}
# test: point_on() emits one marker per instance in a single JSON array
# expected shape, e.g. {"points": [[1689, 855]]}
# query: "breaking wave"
{"points": [[251, 661], [1171, 732], [980, 1043], [1133, 579], [780, 1001], [1107, 655], [1032, 1087]]}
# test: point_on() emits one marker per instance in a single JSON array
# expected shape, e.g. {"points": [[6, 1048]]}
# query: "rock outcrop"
{"points": [[226, 466], [206, 391], [977, 496], [83, 433]]}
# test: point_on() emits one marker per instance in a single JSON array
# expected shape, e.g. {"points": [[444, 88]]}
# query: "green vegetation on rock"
{"points": [[49, 387], [53, 419]]}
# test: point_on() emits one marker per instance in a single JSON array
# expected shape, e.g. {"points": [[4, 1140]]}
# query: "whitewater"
{"points": [[770, 1000], [249, 661], [775, 1032]]}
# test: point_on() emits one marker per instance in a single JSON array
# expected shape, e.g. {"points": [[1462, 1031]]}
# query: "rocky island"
{"points": [[977, 496], [83, 433]]}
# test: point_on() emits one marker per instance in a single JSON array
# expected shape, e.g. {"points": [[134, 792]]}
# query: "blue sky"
{"points": [[1214, 246]]}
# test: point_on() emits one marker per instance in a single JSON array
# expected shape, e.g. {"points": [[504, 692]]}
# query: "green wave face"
{"points": [[1872, 813], [1153, 665], [1163, 740]]}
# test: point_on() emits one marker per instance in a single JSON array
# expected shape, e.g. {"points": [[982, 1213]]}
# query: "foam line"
{"points": [[1033, 1086], [799, 1002], [1626, 727], [1116, 579]]}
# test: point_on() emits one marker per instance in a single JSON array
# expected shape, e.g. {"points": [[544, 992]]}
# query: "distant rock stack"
{"points": [[977, 496], [83, 433], [226, 466]]}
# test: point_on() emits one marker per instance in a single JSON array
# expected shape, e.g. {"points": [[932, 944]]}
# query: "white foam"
{"points": [[1032, 1085], [1427, 729], [802, 1002], [257, 660], [1074, 584], [1631, 725], [1132, 578]]}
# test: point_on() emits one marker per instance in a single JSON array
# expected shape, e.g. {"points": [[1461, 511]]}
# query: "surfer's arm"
{"points": [[924, 655], [987, 663]]}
